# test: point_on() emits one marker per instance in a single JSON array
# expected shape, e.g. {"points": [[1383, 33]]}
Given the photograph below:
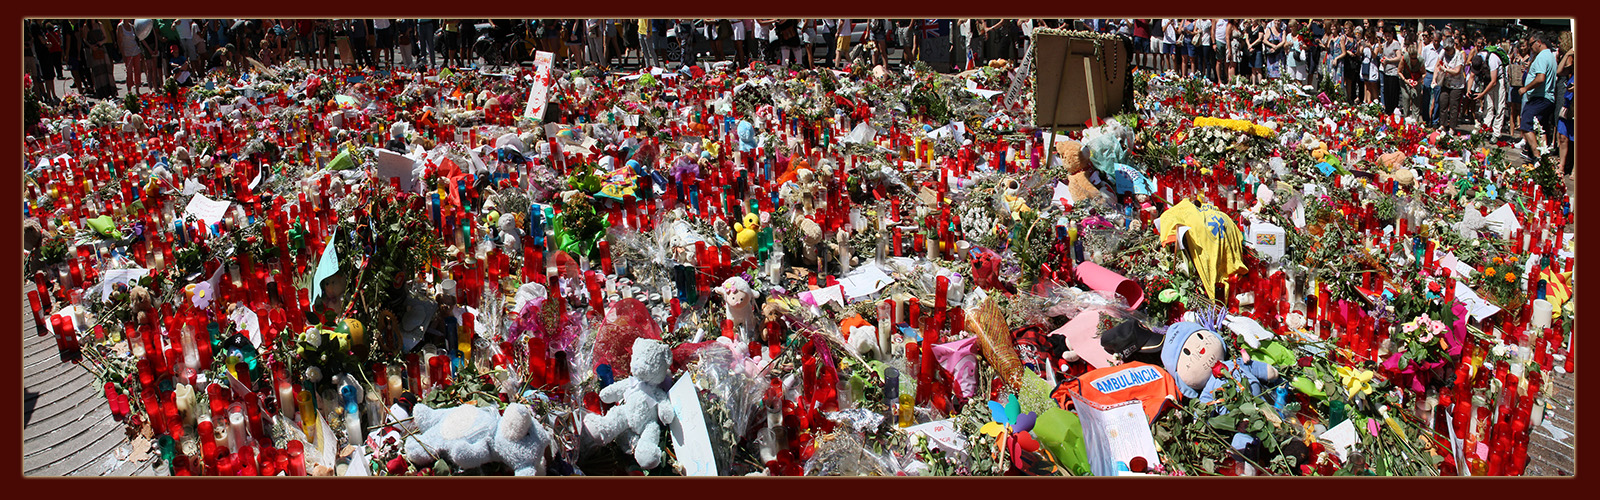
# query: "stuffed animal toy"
{"points": [[747, 232], [739, 303], [520, 442], [986, 271], [810, 239], [460, 435], [644, 403], [1194, 357], [143, 304]]}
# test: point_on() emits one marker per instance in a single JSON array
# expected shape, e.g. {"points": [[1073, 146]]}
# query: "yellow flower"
{"points": [[1498, 260], [1510, 277], [1355, 381], [1490, 272]]}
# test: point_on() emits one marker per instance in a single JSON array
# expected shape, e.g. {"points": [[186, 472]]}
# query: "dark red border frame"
{"points": [[10, 379]]}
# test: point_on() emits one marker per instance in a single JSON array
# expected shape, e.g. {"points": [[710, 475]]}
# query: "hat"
{"points": [[1130, 338]]}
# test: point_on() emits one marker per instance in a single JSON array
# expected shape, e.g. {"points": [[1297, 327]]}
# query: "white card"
{"points": [[690, 440]]}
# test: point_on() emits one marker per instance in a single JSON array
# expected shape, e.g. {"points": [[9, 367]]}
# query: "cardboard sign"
{"points": [[1114, 435], [539, 95], [690, 440]]}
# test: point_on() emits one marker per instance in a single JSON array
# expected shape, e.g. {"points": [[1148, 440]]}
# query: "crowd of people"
{"points": [[1444, 76]]}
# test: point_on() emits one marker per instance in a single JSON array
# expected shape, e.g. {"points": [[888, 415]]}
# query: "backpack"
{"points": [[52, 41]]}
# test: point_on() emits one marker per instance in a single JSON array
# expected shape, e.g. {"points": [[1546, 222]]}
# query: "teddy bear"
{"points": [[1192, 354], [747, 231], [644, 403], [461, 435], [520, 441], [143, 304], [810, 239]]}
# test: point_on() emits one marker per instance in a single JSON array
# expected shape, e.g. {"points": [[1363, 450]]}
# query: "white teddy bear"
{"points": [[644, 403], [520, 442]]}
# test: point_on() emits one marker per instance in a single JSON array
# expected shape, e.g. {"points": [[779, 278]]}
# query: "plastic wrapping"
{"points": [[845, 453]]}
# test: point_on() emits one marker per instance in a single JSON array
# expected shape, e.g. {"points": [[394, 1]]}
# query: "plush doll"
{"points": [[1194, 356], [460, 435], [143, 304], [747, 232], [739, 303], [644, 403], [520, 442]]}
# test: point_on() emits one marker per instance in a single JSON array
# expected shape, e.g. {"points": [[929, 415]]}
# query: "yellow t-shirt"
{"points": [[1214, 244]]}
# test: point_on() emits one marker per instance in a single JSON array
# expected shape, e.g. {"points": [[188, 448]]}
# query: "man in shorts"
{"points": [[1538, 93]]}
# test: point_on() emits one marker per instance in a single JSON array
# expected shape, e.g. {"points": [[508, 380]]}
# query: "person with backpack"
{"points": [[1487, 68]]}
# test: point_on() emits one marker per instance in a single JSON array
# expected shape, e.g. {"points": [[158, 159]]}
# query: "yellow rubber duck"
{"points": [[747, 232]]}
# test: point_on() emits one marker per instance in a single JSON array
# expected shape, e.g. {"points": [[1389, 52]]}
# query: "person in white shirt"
{"points": [[1206, 56], [1221, 34], [1430, 82], [185, 28], [1169, 42]]}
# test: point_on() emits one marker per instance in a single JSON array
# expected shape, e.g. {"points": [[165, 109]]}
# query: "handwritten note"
{"points": [[690, 440], [1476, 306], [392, 165], [114, 276], [943, 434], [206, 209]]}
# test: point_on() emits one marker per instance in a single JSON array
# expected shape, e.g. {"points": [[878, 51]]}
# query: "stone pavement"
{"points": [[67, 429]]}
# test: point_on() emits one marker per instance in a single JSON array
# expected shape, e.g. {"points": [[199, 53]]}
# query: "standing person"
{"points": [[49, 47], [841, 50], [1567, 75], [426, 32], [1429, 52], [1254, 59], [404, 38], [1371, 66], [761, 37], [1141, 42], [1538, 92], [789, 42], [574, 34], [741, 33], [1191, 48], [1273, 46], [1222, 41], [103, 83], [132, 54], [1000, 39], [383, 45], [647, 44], [969, 32], [808, 35], [1313, 47], [1393, 53], [1516, 70], [1205, 55], [1170, 45], [1453, 68], [185, 28], [880, 29]]}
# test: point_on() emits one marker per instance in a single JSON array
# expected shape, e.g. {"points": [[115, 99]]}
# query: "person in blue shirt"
{"points": [[1538, 91]]}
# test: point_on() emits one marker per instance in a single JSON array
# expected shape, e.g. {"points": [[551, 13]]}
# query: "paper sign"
{"points": [[690, 441], [114, 276], [190, 187], [864, 282], [1061, 192], [1449, 261], [539, 95], [824, 295], [327, 266], [1503, 220], [943, 434], [207, 209], [392, 165], [1476, 306], [1341, 437], [1114, 434]]}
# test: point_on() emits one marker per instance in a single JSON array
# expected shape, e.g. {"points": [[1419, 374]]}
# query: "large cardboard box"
{"points": [[1078, 75]]}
